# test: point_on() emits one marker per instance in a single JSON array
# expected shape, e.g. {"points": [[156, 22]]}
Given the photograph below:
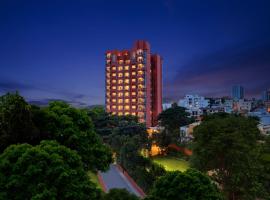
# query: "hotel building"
{"points": [[134, 83]]}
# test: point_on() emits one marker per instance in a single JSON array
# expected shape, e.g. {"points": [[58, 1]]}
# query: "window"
{"points": [[140, 72], [141, 79], [133, 73], [120, 61], [133, 66], [126, 100], [114, 74], [113, 81], [108, 55], [140, 86], [140, 66], [108, 82], [141, 100], [108, 87], [113, 68], [120, 107], [113, 100], [120, 75], [133, 93], [120, 113], [127, 67], [133, 107], [114, 113], [120, 81], [133, 80], [133, 100], [126, 113], [140, 114], [120, 87], [108, 107], [113, 107], [126, 87], [140, 93], [120, 94], [113, 87], [126, 107], [140, 107], [127, 81], [133, 113], [133, 86], [140, 59], [120, 100], [126, 74], [127, 61], [120, 68], [108, 94], [114, 94], [126, 94]]}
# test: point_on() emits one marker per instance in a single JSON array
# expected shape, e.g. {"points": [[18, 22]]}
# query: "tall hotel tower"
{"points": [[134, 83]]}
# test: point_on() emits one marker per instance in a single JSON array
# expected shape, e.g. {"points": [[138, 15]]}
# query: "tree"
{"points": [[226, 146], [119, 194], [191, 185], [265, 161], [171, 119], [73, 128], [46, 171], [16, 125]]}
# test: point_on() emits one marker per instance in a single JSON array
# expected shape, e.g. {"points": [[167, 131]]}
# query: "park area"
{"points": [[171, 163]]}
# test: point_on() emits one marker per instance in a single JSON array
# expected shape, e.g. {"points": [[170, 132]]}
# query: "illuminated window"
{"points": [[140, 107], [108, 87], [108, 94], [133, 107], [139, 51], [126, 113], [140, 86], [127, 67], [126, 87], [120, 113], [126, 94], [120, 94], [133, 86], [120, 87], [133, 80], [140, 79], [120, 68], [108, 82], [121, 61], [114, 113], [140, 72], [114, 87], [120, 100], [120, 75], [108, 61], [113, 107], [113, 68], [108, 107], [133, 73], [114, 94], [140, 93], [114, 74], [133, 93], [113, 100], [126, 74], [133, 66], [140, 59], [120, 107], [120, 81], [133, 100], [126, 100], [126, 107], [108, 68], [127, 81], [140, 66], [141, 100], [108, 55], [140, 114], [108, 100], [113, 81], [127, 61], [133, 113]]}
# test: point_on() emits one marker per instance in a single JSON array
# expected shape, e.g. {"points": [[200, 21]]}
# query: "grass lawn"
{"points": [[171, 163], [94, 178]]}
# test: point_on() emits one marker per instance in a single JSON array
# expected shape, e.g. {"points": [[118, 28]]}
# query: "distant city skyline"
{"points": [[54, 50]]}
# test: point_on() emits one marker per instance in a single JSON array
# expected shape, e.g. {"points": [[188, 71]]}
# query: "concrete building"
{"points": [[237, 92], [194, 104], [166, 106], [264, 116], [266, 95], [242, 106], [134, 83]]}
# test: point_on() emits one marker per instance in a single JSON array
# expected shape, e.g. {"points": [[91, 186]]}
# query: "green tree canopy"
{"points": [[188, 185], [46, 171], [119, 194], [16, 125], [226, 146], [73, 128]]}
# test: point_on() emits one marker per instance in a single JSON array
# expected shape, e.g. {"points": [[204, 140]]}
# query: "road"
{"points": [[114, 178]]}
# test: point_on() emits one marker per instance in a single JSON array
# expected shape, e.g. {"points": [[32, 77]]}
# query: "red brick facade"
{"points": [[134, 83]]}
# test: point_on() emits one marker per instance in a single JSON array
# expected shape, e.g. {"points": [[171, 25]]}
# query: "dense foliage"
{"points": [[172, 119], [73, 128], [16, 124], [191, 185], [225, 146], [46, 171], [119, 194]]}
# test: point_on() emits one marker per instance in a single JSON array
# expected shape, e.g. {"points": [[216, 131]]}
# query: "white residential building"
{"points": [[166, 106]]}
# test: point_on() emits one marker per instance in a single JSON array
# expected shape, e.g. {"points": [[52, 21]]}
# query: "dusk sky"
{"points": [[55, 49]]}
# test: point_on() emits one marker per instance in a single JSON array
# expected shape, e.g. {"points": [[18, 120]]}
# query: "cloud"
{"points": [[214, 74]]}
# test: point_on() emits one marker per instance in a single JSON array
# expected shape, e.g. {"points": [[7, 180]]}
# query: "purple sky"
{"points": [[55, 49]]}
